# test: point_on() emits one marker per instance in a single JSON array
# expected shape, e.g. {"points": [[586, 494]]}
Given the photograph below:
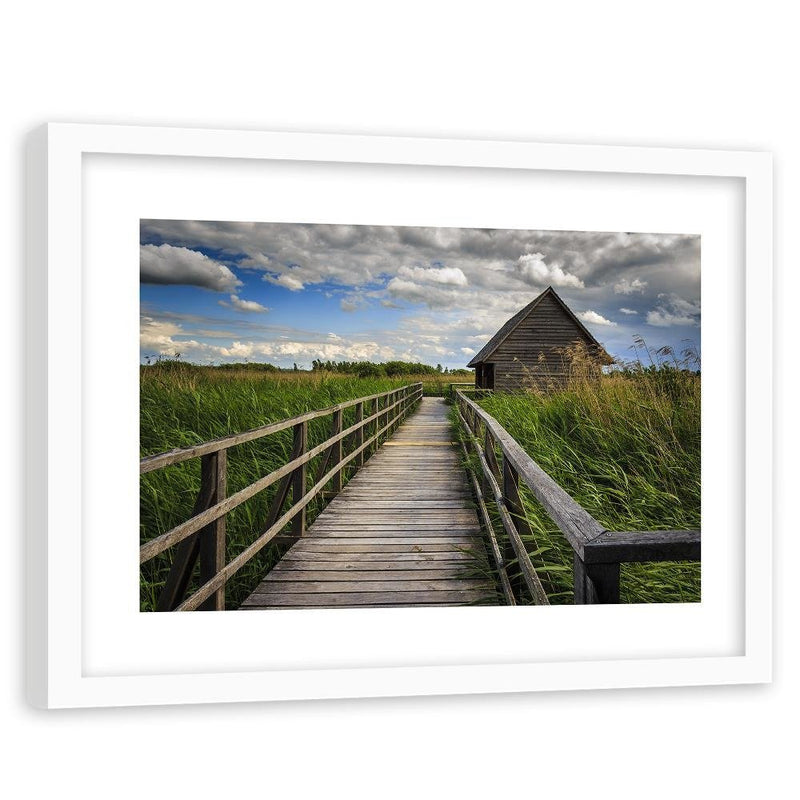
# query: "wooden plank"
{"points": [[389, 535], [322, 558], [403, 530], [379, 545], [452, 540], [212, 539], [626, 546], [360, 432], [364, 576], [373, 571], [370, 606], [186, 555], [381, 598], [299, 447], [336, 451], [192, 602], [291, 586], [595, 583]]}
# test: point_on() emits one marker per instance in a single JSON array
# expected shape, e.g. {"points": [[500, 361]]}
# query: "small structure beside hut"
{"points": [[537, 349]]}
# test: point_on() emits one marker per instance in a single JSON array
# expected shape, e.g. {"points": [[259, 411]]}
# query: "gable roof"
{"points": [[509, 327]]}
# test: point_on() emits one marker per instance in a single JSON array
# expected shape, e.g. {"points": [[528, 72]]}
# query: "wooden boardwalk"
{"points": [[403, 532]]}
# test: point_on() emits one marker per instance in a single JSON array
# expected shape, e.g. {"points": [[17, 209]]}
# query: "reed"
{"points": [[626, 446], [183, 404]]}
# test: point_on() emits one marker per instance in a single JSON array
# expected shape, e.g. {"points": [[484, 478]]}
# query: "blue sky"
{"points": [[291, 293]]}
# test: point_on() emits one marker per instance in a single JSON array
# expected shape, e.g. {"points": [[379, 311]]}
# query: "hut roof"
{"points": [[506, 330]]}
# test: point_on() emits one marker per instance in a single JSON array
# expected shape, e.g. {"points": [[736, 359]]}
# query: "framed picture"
{"points": [[379, 344]]}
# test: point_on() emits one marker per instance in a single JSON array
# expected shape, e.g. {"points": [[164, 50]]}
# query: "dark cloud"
{"points": [[452, 283], [169, 265]]}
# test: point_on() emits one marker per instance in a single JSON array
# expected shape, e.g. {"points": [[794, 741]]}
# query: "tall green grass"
{"points": [[627, 448], [183, 405]]}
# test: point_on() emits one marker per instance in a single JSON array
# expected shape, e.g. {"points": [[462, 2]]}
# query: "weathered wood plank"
{"points": [[212, 539], [381, 598], [624, 546], [322, 559], [403, 530], [395, 572], [390, 535], [358, 584], [377, 543]]}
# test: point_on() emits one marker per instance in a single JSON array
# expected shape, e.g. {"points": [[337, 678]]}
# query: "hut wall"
{"points": [[532, 355]]}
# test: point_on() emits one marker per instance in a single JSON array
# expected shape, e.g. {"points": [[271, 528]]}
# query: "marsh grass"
{"points": [[626, 446], [182, 404]]}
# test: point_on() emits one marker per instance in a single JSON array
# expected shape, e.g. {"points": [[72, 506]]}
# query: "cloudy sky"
{"points": [[290, 293]]}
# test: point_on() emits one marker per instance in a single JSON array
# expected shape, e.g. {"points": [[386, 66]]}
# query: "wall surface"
{"points": [[715, 75], [535, 352]]}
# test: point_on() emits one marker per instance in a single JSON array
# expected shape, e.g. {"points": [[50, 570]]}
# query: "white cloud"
{"points": [[458, 284], [247, 306], [468, 351], [594, 318], [165, 264], [629, 287], [156, 338], [154, 334], [534, 270], [449, 275], [674, 310], [628, 311], [289, 282], [432, 296], [306, 352]]}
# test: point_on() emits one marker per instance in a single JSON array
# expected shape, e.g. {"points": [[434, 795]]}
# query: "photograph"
{"points": [[362, 416]]}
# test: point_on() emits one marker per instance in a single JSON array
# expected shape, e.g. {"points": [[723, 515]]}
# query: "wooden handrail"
{"points": [[597, 552], [200, 535], [574, 521], [155, 546]]}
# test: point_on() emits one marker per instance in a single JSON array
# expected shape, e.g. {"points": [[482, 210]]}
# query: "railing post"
{"points": [[513, 503], [214, 469], [595, 583], [376, 423], [300, 445], [488, 451], [188, 551], [336, 450], [360, 433]]}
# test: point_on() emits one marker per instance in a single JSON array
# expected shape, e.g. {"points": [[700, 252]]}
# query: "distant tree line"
{"points": [[389, 369], [362, 369]]}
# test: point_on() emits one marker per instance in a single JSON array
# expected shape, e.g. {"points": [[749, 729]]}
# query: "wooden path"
{"points": [[403, 532]]}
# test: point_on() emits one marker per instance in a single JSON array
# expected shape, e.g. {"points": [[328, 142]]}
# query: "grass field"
{"points": [[182, 404], [627, 448]]}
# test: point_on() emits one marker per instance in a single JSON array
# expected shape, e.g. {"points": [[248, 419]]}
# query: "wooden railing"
{"points": [[598, 553], [203, 535]]}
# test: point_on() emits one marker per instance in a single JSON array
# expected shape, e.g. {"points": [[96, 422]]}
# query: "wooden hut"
{"points": [[535, 348]]}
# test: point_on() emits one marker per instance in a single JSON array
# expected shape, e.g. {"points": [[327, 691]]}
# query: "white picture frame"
{"points": [[83, 197]]}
